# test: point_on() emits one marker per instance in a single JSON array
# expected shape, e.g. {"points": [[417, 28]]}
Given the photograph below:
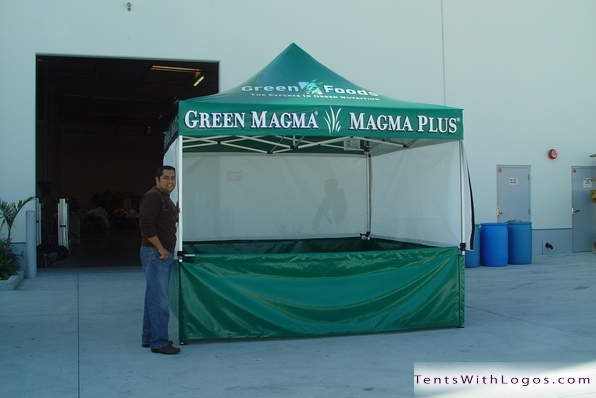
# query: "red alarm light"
{"points": [[553, 154]]}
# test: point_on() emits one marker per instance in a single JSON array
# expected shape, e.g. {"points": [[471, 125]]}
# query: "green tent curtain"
{"points": [[310, 294]]}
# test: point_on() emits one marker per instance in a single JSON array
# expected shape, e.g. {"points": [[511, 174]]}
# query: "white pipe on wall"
{"points": [[31, 270]]}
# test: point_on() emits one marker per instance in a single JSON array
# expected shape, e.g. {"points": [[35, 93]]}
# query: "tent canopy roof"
{"points": [[296, 104]]}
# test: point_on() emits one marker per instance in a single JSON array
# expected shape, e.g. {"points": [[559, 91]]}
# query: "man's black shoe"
{"points": [[167, 350]]}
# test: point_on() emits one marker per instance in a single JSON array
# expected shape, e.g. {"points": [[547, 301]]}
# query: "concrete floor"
{"points": [[111, 248], [74, 331]]}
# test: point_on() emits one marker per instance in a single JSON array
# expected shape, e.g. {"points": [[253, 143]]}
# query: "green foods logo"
{"points": [[311, 88]]}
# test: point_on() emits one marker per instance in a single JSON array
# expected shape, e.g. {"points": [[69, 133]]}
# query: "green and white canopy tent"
{"points": [[298, 162]]}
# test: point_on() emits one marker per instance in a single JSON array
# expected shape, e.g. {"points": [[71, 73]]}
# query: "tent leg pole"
{"points": [[179, 183], [368, 193], [461, 196]]}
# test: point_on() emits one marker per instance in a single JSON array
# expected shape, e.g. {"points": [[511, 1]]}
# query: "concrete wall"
{"points": [[522, 70]]}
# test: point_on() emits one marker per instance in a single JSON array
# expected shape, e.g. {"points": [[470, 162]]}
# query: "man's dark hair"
{"points": [[160, 169]]}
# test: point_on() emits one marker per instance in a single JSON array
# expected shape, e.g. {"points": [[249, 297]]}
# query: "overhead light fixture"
{"points": [[198, 78], [168, 68]]}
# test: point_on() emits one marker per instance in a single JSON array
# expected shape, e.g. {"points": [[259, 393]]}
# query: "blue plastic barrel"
{"points": [[494, 244], [473, 255], [520, 242]]}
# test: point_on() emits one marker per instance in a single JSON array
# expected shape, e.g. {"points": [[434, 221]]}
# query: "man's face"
{"points": [[167, 182]]}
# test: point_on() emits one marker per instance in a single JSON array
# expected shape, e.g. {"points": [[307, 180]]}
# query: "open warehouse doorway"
{"points": [[99, 138]]}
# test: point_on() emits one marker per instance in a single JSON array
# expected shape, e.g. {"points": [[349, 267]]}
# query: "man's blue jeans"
{"points": [[157, 311]]}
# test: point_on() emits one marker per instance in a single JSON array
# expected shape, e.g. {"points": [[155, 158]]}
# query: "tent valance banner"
{"points": [[296, 96]]}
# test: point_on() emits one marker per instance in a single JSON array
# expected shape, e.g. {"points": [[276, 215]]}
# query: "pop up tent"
{"points": [[312, 206]]}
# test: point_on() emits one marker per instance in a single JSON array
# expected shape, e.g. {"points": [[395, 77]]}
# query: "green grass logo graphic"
{"points": [[332, 120]]}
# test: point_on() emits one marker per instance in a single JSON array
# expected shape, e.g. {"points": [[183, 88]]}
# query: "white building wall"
{"points": [[522, 70], [524, 73]]}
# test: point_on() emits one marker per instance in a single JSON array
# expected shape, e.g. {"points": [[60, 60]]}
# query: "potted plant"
{"points": [[8, 215], [8, 265]]}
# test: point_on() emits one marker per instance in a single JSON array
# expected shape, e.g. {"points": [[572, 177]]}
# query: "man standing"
{"points": [[157, 221]]}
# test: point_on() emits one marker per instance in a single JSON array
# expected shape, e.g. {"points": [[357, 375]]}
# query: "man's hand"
{"points": [[163, 253]]}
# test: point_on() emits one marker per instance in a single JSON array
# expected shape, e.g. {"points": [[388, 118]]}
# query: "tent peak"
{"points": [[295, 95]]}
